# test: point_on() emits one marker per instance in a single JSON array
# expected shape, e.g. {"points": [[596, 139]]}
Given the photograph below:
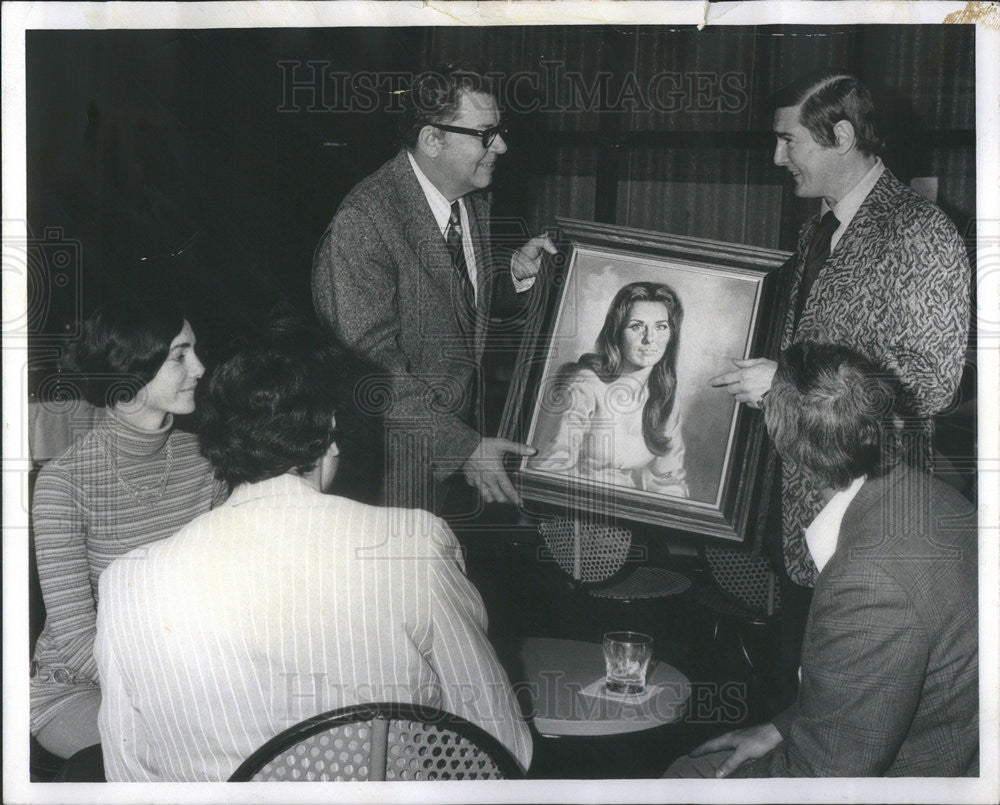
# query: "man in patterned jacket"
{"points": [[879, 269]]}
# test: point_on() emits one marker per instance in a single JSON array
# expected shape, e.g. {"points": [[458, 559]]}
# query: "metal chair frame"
{"points": [[379, 714], [743, 592]]}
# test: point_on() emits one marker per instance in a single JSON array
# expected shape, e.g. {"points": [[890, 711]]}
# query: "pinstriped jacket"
{"points": [[896, 289], [890, 663], [384, 281], [279, 605]]}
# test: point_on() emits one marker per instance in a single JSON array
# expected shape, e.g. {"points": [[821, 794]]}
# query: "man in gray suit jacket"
{"points": [[881, 270], [405, 274], [890, 660]]}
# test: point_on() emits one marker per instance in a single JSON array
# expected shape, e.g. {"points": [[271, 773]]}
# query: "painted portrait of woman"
{"points": [[618, 421]]}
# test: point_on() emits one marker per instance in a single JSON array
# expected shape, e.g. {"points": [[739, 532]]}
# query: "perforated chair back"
{"points": [[384, 741], [645, 582], [602, 550], [746, 577]]}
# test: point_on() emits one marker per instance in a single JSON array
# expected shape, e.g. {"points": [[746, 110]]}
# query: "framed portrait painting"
{"points": [[612, 382]]}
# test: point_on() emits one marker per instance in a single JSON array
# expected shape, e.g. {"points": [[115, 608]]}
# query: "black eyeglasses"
{"points": [[486, 135]]}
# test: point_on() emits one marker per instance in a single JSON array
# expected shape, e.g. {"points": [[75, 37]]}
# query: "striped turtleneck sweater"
{"points": [[117, 488]]}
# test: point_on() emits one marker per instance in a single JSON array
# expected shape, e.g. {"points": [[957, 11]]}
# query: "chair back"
{"points": [[384, 741], [589, 552], [745, 577]]}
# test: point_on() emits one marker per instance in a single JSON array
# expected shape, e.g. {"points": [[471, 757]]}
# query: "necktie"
{"points": [[467, 303], [819, 250], [453, 237]]}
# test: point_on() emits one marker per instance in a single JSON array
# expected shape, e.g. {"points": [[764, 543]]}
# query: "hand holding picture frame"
{"points": [[612, 381]]}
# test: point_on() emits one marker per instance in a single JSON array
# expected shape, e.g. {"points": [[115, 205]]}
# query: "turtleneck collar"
{"points": [[131, 441]]}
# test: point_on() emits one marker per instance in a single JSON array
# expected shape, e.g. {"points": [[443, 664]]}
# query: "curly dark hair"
{"points": [[122, 346], [435, 95], [268, 408]]}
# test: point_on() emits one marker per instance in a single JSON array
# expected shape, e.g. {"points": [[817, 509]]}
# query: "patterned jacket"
{"points": [[896, 288]]}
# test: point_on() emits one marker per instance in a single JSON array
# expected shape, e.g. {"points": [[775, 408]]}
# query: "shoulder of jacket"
{"points": [[905, 206], [910, 507], [372, 188], [414, 526]]}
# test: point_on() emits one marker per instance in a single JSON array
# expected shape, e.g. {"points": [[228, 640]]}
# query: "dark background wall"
{"points": [[209, 162]]}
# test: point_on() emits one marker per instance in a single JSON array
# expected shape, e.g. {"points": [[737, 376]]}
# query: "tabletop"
{"points": [[559, 677]]}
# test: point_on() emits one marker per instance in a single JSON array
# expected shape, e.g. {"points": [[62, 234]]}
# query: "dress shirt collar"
{"points": [[848, 206], [440, 206], [280, 486], [823, 533]]}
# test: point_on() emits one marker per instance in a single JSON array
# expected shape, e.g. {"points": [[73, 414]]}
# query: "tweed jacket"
{"points": [[279, 605], [896, 288], [890, 667], [384, 281]]}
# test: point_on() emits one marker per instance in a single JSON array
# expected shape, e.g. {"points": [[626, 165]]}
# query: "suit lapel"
{"points": [[477, 206], [862, 229], [433, 258], [421, 228], [788, 331]]}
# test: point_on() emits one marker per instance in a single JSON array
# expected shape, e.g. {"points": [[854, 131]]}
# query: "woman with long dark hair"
{"points": [[131, 480], [619, 423]]}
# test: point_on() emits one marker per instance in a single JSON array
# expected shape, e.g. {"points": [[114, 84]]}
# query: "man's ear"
{"points": [[326, 468], [429, 140], [334, 449], [843, 131]]}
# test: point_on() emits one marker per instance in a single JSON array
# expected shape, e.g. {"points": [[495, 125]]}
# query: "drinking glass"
{"points": [[626, 658]]}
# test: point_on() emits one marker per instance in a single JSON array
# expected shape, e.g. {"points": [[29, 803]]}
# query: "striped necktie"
{"points": [[453, 237]]}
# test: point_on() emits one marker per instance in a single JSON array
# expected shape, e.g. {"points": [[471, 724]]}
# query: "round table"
{"points": [[556, 674]]}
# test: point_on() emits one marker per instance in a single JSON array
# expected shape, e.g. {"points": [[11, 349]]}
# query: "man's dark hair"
{"points": [[268, 408], [831, 412], [122, 347], [827, 97], [435, 95]]}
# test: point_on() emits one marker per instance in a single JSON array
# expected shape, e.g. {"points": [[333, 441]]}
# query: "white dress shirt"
{"points": [[441, 208], [279, 605], [823, 533]]}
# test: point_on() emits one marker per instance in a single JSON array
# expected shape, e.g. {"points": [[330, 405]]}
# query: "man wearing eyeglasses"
{"points": [[406, 274]]}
